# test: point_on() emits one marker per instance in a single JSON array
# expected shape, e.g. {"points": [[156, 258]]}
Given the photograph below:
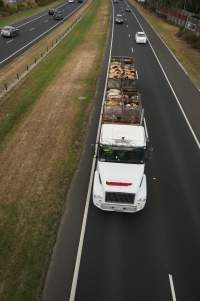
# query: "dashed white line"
{"points": [[172, 287], [31, 29], [45, 21], [32, 20], [37, 38], [8, 42], [129, 35], [172, 89], [132, 49], [127, 25]]}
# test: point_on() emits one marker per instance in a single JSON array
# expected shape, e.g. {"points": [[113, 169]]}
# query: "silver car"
{"points": [[9, 31]]}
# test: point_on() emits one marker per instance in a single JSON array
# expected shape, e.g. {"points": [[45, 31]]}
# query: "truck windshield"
{"points": [[121, 155]]}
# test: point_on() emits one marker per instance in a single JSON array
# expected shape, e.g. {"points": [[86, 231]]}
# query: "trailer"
{"points": [[120, 180]]}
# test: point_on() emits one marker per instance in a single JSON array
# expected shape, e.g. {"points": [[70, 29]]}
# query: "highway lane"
{"points": [[31, 30], [184, 88], [137, 256]]}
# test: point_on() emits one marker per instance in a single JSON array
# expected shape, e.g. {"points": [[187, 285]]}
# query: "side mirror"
{"points": [[93, 148]]}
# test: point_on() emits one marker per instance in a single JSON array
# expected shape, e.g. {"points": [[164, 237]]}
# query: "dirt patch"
{"points": [[33, 152], [34, 162]]}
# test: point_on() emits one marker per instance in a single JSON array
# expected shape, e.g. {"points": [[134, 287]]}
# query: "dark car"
{"points": [[9, 31], [52, 11], [58, 15], [119, 19], [80, 1]]}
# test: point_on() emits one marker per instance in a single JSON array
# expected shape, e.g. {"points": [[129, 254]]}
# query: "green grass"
{"points": [[28, 229], [189, 58], [38, 80], [20, 15]]}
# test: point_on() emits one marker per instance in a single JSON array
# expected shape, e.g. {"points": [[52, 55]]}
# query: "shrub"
{"points": [[189, 37], [11, 9], [22, 6], [1, 4], [43, 2], [196, 45]]}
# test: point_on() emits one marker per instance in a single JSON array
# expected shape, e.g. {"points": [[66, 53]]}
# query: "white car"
{"points": [[140, 37], [9, 31], [70, 1]]}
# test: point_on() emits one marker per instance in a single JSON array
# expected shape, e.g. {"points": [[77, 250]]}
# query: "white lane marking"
{"points": [[129, 35], [45, 21], [172, 287], [37, 18], [176, 59], [145, 126], [8, 42], [80, 247], [172, 89], [31, 29], [127, 25], [37, 38], [132, 49]]}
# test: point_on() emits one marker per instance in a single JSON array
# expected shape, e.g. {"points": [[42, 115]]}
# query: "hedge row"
{"points": [[189, 37], [6, 10]]}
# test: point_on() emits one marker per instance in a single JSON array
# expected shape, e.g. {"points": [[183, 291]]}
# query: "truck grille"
{"points": [[120, 197]]}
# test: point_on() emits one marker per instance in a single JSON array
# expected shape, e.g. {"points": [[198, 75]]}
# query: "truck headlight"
{"points": [[140, 200], [98, 197]]}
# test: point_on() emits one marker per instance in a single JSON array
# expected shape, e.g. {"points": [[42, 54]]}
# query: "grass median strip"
{"points": [[15, 107], [189, 58], [43, 126]]}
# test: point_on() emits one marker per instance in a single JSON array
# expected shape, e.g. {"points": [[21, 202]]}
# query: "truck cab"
{"points": [[119, 181]]}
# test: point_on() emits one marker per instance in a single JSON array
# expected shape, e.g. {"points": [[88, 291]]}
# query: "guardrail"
{"points": [[10, 83]]}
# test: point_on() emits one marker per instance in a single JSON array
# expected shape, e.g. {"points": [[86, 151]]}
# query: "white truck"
{"points": [[120, 180]]}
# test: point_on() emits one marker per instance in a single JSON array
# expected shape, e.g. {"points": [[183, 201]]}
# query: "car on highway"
{"points": [[115, 1], [52, 11], [119, 19], [140, 37], [80, 1], [127, 9], [58, 15], [70, 1], [9, 31]]}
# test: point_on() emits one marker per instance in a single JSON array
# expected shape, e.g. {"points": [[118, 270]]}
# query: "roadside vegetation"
{"points": [[42, 125], [189, 57], [189, 37], [17, 12], [9, 72], [193, 6]]}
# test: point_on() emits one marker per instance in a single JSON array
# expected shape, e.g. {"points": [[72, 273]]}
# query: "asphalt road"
{"points": [[31, 30], [153, 255]]}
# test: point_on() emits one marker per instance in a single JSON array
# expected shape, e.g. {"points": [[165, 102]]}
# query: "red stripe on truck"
{"points": [[118, 183]]}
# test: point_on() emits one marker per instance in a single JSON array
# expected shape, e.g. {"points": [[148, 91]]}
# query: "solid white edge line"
{"points": [[83, 228], [170, 85], [176, 59], [145, 126], [32, 20], [172, 287], [37, 38], [8, 42]]}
